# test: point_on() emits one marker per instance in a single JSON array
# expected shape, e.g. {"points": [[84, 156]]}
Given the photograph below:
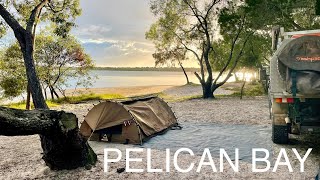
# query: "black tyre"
{"points": [[280, 134]]}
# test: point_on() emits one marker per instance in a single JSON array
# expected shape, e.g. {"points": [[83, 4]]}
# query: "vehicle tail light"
{"points": [[278, 100], [290, 100], [284, 100]]}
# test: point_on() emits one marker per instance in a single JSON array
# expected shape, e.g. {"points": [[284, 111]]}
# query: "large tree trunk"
{"points": [[207, 91], [63, 146]]}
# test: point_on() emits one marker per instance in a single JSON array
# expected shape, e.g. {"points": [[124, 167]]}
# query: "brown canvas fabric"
{"points": [[302, 53], [106, 114], [152, 115]]}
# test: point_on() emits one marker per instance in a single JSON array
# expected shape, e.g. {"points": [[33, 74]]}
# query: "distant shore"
{"points": [[170, 69]]}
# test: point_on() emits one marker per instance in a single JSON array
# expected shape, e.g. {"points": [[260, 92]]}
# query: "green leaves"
{"points": [[60, 12], [58, 60], [163, 33], [293, 15], [12, 75]]}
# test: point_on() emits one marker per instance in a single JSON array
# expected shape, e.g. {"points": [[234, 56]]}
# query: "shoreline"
{"points": [[125, 91]]}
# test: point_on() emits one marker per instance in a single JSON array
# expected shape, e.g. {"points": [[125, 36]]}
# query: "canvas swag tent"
{"points": [[132, 121]]}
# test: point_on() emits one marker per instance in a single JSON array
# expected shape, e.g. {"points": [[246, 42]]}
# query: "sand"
{"points": [[20, 157]]}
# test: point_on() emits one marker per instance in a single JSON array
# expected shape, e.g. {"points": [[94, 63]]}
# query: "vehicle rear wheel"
{"points": [[280, 134]]}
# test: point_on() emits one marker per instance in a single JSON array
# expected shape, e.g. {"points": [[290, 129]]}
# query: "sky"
{"points": [[113, 32]]}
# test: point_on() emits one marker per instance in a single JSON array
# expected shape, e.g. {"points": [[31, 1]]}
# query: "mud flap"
{"points": [[280, 134]]}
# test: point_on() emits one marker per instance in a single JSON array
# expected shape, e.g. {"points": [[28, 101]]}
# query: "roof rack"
{"points": [[278, 35], [287, 35]]}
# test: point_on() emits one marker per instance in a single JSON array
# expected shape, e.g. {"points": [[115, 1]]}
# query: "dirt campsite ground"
{"points": [[20, 157]]}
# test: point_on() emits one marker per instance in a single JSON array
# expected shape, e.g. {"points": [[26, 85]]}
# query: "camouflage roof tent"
{"points": [[302, 53], [128, 121]]}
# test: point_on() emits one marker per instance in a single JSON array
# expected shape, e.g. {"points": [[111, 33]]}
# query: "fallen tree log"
{"points": [[63, 146]]}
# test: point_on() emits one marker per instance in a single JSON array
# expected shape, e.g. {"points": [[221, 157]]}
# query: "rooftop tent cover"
{"points": [[302, 53], [139, 119], [302, 57]]}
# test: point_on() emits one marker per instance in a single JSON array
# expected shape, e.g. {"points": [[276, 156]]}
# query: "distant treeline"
{"points": [[175, 69]]}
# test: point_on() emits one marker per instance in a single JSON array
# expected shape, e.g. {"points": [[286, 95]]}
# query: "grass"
{"points": [[251, 89], [87, 97], [69, 99], [22, 105], [169, 98]]}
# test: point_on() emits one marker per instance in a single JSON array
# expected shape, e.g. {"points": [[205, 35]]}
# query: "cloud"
{"points": [[92, 31], [113, 32], [109, 52]]}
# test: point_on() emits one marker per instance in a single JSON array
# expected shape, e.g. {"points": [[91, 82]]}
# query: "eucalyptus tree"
{"points": [[23, 17], [194, 25], [63, 146]]}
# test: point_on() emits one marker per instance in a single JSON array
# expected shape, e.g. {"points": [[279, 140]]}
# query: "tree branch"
{"points": [[210, 8], [34, 14], [230, 55], [53, 8], [15, 122], [199, 78], [236, 61], [194, 11]]}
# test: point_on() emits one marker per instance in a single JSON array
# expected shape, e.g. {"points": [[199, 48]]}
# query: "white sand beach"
{"points": [[20, 156]]}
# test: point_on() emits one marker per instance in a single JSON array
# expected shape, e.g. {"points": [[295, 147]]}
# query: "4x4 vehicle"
{"points": [[294, 87]]}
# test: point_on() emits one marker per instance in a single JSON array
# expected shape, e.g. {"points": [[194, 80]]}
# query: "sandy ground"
{"points": [[191, 90], [20, 157]]}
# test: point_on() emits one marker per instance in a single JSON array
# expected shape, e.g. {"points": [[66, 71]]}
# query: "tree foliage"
{"points": [[257, 50], [61, 13], [293, 15], [169, 50], [262, 16], [12, 75], [23, 18], [58, 60], [194, 26]]}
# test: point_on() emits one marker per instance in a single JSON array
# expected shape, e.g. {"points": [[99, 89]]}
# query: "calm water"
{"points": [[138, 78]]}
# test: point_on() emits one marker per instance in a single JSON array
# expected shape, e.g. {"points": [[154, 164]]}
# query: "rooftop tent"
{"points": [[132, 121], [299, 65], [302, 53]]}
